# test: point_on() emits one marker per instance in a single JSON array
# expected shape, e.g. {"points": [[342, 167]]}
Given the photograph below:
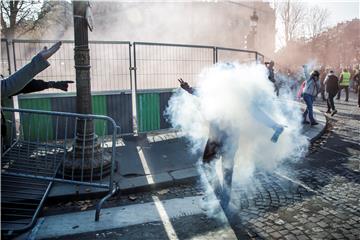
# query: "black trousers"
{"points": [[346, 91], [330, 101]]}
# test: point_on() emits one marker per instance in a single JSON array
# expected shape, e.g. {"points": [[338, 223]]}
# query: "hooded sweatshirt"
{"points": [[312, 87], [331, 83]]}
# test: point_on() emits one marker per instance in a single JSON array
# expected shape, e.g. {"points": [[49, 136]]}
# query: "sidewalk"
{"points": [[156, 161]]}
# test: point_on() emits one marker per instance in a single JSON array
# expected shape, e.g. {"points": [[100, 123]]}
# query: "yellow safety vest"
{"points": [[345, 79]]}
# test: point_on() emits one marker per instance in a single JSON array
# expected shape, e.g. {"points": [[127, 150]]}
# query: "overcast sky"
{"points": [[339, 10]]}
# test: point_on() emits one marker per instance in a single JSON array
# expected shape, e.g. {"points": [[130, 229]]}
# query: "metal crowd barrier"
{"points": [[140, 75], [5, 58], [110, 63], [46, 147]]}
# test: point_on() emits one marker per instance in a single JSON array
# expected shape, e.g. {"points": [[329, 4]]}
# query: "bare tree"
{"points": [[291, 15], [316, 21], [24, 16]]}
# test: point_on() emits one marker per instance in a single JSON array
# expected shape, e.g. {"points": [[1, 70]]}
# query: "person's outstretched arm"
{"points": [[37, 85], [306, 72], [17, 81]]}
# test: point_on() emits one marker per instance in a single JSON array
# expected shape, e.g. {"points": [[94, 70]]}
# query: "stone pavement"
{"points": [[167, 159]]}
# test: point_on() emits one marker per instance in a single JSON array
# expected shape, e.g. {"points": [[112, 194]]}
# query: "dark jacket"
{"points": [[34, 85], [331, 84]]}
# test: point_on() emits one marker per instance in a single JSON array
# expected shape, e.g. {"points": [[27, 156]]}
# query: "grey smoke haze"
{"points": [[230, 98], [188, 22]]}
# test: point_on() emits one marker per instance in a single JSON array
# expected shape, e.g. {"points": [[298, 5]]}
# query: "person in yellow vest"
{"points": [[344, 83]]}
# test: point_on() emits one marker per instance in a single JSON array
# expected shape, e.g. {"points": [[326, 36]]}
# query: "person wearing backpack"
{"points": [[311, 89]]}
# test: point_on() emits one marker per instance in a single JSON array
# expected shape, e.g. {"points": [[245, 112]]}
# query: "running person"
{"points": [[215, 146]]}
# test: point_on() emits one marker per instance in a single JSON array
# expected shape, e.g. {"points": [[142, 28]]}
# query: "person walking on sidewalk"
{"points": [[344, 83], [311, 89], [331, 83]]}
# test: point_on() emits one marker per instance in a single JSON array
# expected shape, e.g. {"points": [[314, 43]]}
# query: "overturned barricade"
{"points": [[43, 147]]}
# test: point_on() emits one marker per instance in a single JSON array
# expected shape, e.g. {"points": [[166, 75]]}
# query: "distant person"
{"points": [[311, 89], [356, 80], [303, 78], [322, 85], [353, 83], [344, 83], [331, 83], [271, 75]]}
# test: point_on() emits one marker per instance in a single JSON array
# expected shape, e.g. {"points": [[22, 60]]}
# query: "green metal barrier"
{"points": [[99, 108], [36, 127], [148, 111]]}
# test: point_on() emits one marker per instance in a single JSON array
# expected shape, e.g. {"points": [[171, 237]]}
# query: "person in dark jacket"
{"points": [[356, 80], [331, 83], [271, 75]]}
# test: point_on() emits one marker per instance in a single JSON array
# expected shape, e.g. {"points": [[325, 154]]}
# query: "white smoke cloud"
{"points": [[232, 98]]}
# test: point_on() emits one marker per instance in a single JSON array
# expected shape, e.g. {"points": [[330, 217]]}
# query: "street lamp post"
{"points": [[251, 39], [86, 157]]}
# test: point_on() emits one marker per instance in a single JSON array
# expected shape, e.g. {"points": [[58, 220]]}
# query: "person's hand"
{"points": [[62, 85], [184, 85], [47, 53]]}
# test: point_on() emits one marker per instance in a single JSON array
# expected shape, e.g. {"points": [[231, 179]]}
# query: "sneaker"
{"points": [[277, 134], [334, 112], [328, 111], [305, 122], [314, 123]]}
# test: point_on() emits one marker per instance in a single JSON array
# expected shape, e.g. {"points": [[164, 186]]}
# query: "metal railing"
{"points": [[110, 63], [5, 58], [54, 147], [233, 54], [158, 65], [139, 75]]}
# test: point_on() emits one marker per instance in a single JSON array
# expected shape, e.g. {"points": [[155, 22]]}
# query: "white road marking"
{"points": [[170, 231], [145, 166], [296, 182], [119, 217]]}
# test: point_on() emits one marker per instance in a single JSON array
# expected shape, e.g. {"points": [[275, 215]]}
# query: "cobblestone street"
{"points": [[314, 198]]}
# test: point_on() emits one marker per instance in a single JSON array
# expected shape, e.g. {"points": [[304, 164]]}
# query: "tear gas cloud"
{"points": [[231, 96]]}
